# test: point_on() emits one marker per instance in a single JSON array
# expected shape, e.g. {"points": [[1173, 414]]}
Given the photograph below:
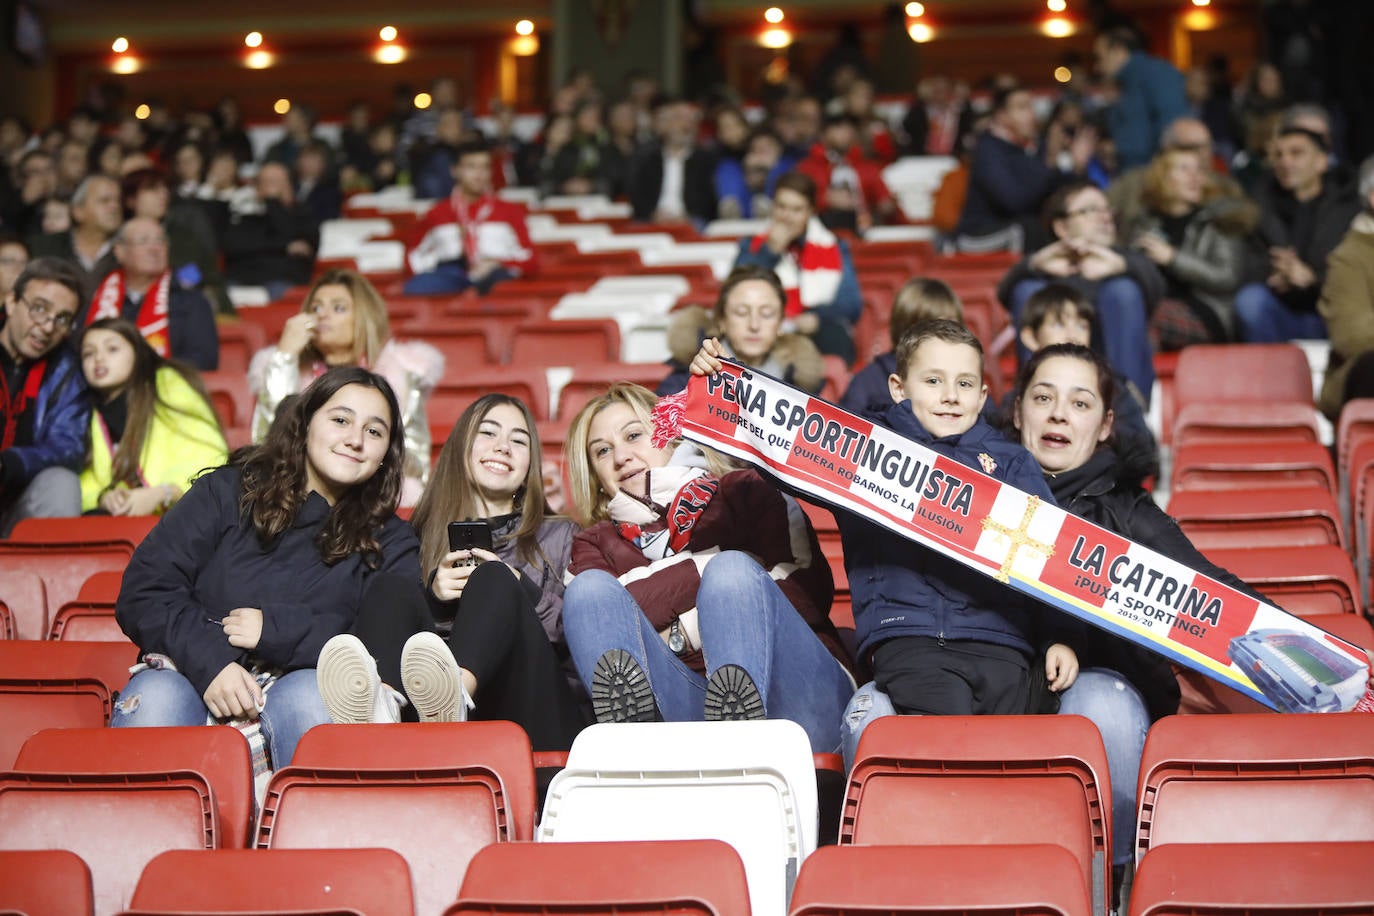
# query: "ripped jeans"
{"points": [[1106, 698], [162, 697]]}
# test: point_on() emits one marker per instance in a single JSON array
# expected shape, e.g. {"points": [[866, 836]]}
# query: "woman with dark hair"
{"points": [[747, 320], [814, 266], [232, 595], [153, 428], [496, 598], [343, 322]]}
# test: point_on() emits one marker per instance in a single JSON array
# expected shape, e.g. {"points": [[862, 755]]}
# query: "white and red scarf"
{"points": [[810, 270], [108, 302], [661, 523]]}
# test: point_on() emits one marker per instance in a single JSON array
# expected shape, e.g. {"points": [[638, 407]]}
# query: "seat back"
{"points": [[115, 822], [371, 881], [1253, 373], [1256, 778], [86, 529], [1244, 878], [750, 784], [1011, 880], [1318, 579], [435, 793], [453, 394], [1255, 464], [62, 566], [681, 876], [565, 342], [57, 685], [44, 882], [26, 604], [102, 586], [219, 753], [984, 780], [1296, 516], [89, 621]]}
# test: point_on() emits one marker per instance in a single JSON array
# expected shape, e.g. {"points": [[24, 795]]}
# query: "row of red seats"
{"points": [[438, 795], [705, 878]]}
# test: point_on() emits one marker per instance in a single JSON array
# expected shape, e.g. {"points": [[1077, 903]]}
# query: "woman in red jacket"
{"points": [[692, 594]]}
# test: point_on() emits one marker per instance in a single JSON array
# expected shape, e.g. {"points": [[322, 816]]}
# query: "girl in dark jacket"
{"points": [[231, 597], [497, 598]]}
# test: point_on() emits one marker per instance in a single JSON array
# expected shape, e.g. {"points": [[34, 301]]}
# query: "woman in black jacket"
{"points": [[231, 597], [1062, 412]]}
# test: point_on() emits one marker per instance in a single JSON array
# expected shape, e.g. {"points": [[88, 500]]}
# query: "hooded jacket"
{"points": [[901, 588]]}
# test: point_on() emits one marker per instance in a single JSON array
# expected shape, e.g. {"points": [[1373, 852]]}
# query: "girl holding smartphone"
{"points": [[493, 559]]}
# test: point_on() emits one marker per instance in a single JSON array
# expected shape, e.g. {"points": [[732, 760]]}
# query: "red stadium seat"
{"points": [[238, 341], [1240, 879], [46, 684], [100, 799], [212, 881], [1247, 465], [1255, 779], [466, 349], [44, 882], [85, 529], [1301, 580], [1266, 374], [591, 379], [63, 567], [980, 780], [1243, 422], [592, 879], [230, 396], [1356, 425], [910, 881], [217, 752], [452, 396], [1289, 516], [565, 342], [101, 586], [86, 621], [436, 793], [25, 602]]}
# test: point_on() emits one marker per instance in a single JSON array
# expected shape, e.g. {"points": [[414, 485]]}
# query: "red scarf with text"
{"points": [[108, 302]]}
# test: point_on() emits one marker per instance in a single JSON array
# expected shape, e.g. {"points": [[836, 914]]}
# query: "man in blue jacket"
{"points": [[44, 406], [1149, 95]]}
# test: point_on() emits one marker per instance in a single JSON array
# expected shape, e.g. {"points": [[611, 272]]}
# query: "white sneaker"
{"points": [[432, 680], [347, 677]]}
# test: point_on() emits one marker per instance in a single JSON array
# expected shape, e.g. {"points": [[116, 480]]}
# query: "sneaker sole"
{"points": [[347, 684], [621, 691], [732, 696], [432, 683]]}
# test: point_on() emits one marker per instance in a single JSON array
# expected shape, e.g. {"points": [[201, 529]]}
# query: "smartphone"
{"points": [[469, 536]]}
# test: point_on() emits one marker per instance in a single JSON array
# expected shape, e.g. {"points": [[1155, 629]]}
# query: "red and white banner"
{"points": [[1103, 578]]}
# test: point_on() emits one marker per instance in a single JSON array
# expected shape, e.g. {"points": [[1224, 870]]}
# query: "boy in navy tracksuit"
{"points": [[942, 638]]}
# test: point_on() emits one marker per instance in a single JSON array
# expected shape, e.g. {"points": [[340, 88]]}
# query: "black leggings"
{"points": [[496, 635]]}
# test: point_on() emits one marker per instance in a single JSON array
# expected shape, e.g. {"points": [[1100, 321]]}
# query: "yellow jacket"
{"points": [[181, 441]]}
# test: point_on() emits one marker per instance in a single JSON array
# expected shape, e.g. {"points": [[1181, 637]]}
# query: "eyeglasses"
{"points": [[41, 312]]}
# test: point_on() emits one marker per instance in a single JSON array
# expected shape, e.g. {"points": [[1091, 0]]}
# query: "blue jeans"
{"points": [[1264, 319], [744, 619], [1118, 710], [452, 278], [1099, 694], [1121, 320], [160, 696]]}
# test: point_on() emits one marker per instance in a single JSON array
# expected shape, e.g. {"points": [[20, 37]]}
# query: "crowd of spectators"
{"points": [[1147, 215]]}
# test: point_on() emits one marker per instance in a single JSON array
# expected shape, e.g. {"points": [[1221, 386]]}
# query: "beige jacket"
{"points": [[1347, 305]]}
